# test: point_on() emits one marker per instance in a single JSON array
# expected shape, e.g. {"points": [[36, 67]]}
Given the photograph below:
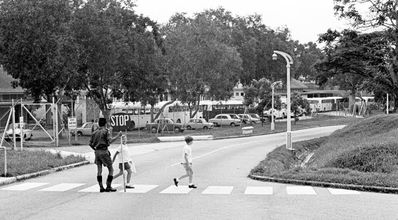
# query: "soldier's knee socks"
{"points": [[99, 179], [109, 181]]}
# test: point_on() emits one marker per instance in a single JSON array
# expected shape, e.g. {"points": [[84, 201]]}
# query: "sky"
{"points": [[305, 19]]}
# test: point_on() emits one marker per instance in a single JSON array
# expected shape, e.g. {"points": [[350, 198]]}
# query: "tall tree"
{"points": [[35, 45], [199, 61], [381, 15], [117, 51]]}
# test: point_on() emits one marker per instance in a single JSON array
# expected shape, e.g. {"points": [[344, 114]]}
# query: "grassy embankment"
{"points": [[363, 153], [27, 161]]}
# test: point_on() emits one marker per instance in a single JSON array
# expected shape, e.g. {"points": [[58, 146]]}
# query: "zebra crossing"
{"points": [[183, 189]]}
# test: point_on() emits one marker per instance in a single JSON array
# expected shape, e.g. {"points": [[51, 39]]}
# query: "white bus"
{"points": [[131, 114], [177, 111], [324, 104], [139, 115]]}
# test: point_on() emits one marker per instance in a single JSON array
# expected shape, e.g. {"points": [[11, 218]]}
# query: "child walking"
{"points": [[187, 163], [128, 163]]}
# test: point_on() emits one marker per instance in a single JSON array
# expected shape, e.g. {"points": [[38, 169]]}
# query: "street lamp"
{"points": [[272, 108], [289, 61]]}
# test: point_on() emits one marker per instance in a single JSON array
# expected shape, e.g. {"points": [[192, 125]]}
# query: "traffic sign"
{"points": [[72, 123]]}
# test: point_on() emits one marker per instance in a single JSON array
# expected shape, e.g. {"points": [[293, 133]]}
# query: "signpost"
{"points": [[21, 127], [72, 125]]}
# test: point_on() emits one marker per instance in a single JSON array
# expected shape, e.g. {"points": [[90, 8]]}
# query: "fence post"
{"points": [[13, 126]]}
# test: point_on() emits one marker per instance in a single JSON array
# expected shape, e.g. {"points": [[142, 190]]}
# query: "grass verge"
{"points": [[363, 153], [27, 161], [144, 136]]}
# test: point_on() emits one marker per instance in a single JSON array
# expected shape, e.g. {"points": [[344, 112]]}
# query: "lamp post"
{"points": [[272, 104], [289, 61]]}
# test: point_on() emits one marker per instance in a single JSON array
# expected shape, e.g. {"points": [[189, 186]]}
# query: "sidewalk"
{"points": [[86, 152]]}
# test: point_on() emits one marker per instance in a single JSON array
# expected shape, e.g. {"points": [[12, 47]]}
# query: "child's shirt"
{"points": [[126, 154], [188, 151]]}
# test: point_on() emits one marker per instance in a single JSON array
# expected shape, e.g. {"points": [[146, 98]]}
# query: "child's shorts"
{"points": [[126, 166]]}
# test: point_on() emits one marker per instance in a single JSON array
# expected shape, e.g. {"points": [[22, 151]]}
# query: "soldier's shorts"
{"points": [[103, 157]]}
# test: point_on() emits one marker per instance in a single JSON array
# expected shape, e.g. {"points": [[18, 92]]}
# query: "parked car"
{"points": [[226, 119], [198, 123], [27, 133], [249, 118], [86, 129], [164, 124]]}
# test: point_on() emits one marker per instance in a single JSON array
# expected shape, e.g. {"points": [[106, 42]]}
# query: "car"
{"points": [[250, 118], [198, 123], [86, 129], [27, 133], [226, 119], [165, 124]]}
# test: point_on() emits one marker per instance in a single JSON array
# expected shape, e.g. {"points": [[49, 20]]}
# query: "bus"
{"points": [[213, 108], [134, 115], [179, 112], [325, 103]]}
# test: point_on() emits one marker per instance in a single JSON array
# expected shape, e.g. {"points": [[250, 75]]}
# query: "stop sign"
{"points": [[122, 122]]}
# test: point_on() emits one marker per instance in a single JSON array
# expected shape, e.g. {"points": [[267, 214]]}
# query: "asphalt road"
{"points": [[224, 191]]}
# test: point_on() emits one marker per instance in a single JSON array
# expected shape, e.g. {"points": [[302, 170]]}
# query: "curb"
{"points": [[378, 189], [41, 173], [182, 138]]}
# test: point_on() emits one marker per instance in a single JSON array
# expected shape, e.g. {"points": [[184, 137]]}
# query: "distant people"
{"points": [[99, 142], [93, 126], [187, 163], [123, 151]]}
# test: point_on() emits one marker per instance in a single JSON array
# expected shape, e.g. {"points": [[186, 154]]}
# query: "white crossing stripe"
{"points": [[24, 186], [300, 190], [176, 190], [222, 190], [335, 191], [259, 190], [96, 188], [62, 187], [140, 188]]}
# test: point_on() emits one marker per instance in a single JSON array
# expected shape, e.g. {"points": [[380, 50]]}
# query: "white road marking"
{"points": [[62, 187], [140, 188], [335, 191], [24, 186], [259, 190], [176, 190], [213, 151], [300, 190], [221, 190], [95, 188]]}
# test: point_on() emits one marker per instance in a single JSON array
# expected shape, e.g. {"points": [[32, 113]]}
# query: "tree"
{"points": [[117, 52], [259, 94], [35, 45], [382, 15], [299, 105], [307, 55], [347, 59], [199, 62]]}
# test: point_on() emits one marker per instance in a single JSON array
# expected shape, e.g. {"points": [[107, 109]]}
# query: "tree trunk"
{"points": [[162, 109]]}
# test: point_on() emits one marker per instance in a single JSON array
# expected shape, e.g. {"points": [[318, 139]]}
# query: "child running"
{"points": [[128, 163], [187, 163]]}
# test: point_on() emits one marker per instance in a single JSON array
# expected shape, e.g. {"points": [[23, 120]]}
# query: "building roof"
{"points": [[5, 83]]}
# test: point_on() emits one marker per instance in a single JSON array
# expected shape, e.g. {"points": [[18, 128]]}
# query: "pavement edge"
{"points": [[367, 188], [41, 173]]}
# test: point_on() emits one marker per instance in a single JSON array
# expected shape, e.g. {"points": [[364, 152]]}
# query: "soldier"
{"points": [[99, 142]]}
